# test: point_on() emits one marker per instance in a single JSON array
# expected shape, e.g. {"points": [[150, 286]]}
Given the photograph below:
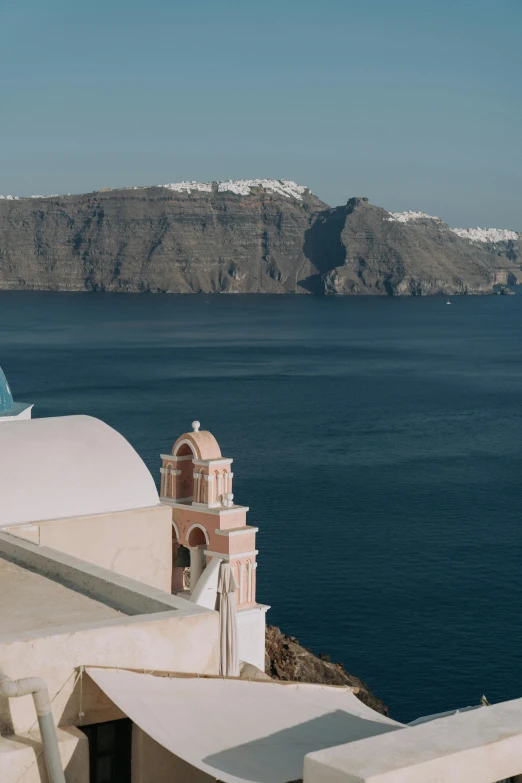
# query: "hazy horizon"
{"points": [[416, 106]]}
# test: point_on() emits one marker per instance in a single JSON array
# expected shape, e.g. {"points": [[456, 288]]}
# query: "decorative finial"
{"points": [[229, 497], [195, 426]]}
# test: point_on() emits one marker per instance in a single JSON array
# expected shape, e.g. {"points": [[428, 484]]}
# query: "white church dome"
{"points": [[68, 466]]}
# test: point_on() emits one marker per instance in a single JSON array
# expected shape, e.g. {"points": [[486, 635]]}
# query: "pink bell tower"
{"points": [[196, 482]]}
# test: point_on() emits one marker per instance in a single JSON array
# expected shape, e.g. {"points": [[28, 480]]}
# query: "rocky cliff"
{"points": [[286, 659], [407, 254], [257, 236], [188, 240]]}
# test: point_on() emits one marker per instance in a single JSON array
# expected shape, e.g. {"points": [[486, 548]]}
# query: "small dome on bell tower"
{"points": [[196, 472]]}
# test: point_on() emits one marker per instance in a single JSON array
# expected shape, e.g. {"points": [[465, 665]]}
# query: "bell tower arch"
{"points": [[196, 482]]}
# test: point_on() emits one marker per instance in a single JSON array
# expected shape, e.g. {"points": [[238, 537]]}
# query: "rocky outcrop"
{"points": [[379, 253], [286, 659], [257, 236]]}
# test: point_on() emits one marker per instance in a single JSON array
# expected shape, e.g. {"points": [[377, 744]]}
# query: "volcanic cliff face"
{"points": [[258, 236], [158, 239], [505, 244], [405, 254]]}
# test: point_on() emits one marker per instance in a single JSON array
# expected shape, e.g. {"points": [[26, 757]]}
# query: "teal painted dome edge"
{"points": [[6, 397]]}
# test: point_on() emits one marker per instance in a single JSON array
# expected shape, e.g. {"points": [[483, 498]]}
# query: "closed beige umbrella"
{"points": [[229, 665]]}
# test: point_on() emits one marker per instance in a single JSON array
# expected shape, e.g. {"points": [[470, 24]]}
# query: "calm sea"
{"points": [[378, 443]]}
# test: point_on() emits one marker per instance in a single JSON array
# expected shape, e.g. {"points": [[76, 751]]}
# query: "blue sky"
{"points": [[415, 104]]}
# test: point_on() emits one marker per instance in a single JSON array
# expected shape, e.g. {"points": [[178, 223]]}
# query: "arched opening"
{"points": [[199, 490], [185, 450], [218, 496], [185, 480], [197, 537], [180, 563], [197, 540], [168, 482], [226, 487]]}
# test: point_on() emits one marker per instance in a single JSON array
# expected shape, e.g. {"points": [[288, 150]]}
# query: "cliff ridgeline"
{"points": [[251, 236]]}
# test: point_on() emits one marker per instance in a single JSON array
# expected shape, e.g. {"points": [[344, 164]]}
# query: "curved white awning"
{"points": [[241, 731]]}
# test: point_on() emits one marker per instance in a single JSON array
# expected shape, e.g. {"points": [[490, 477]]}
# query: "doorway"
{"points": [[110, 750]]}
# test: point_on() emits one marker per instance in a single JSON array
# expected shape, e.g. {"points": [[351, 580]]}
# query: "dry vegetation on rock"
{"points": [[286, 659]]}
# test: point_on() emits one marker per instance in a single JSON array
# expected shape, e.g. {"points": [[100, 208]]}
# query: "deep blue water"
{"points": [[378, 443]]}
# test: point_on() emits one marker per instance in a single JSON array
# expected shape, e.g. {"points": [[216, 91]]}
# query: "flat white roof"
{"points": [[68, 466], [477, 746], [43, 591], [32, 602]]}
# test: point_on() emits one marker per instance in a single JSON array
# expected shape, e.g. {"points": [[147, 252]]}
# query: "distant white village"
{"points": [[132, 642], [291, 189], [473, 234], [243, 187]]}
